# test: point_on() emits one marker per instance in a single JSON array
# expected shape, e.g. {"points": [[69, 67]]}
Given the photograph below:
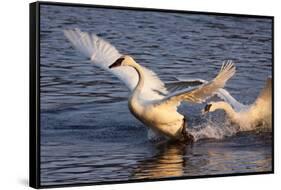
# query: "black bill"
{"points": [[117, 63], [207, 108]]}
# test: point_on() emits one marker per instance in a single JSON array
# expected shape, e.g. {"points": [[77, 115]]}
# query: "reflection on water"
{"points": [[87, 132], [206, 157], [168, 162]]}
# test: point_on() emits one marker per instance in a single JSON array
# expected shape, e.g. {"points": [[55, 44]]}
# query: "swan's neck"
{"points": [[135, 105], [140, 84], [227, 108]]}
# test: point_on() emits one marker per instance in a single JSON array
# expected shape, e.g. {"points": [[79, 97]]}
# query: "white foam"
{"points": [[213, 130]]}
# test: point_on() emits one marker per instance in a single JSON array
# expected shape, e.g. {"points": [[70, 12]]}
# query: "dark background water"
{"points": [[87, 132]]}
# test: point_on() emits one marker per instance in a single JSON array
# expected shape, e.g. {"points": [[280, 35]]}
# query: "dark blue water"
{"points": [[87, 131]]}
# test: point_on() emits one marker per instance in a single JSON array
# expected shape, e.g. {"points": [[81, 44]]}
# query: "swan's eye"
{"points": [[117, 63], [207, 107]]}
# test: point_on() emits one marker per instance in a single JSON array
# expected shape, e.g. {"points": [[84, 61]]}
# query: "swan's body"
{"points": [[248, 117], [149, 102]]}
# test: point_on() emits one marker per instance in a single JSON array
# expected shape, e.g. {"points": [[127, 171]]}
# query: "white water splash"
{"points": [[214, 130]]}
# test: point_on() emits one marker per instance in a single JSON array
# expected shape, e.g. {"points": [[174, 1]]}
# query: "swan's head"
{"points": [[125, 60], [213, 106]]}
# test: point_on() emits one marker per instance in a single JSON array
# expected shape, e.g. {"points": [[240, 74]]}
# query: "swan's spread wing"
{"points": [[103, 54], [201, 93], [189, 83], [266, 92], [98, 50], [225, 95], [182, 84]]}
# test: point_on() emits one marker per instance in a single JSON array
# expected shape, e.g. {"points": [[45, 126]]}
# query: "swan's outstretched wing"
{"points": [[103, 54], [181, 84], [201, 93], [223, 94]]}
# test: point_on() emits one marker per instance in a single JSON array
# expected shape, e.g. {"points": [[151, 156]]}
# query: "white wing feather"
{"points": [[183, 83], [103, 54], [204, 91]]}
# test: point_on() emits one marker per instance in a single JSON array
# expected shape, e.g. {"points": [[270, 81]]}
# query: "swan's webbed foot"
{"points": [[187, 137]]}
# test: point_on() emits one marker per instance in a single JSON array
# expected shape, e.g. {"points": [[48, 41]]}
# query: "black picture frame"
{"points": [[34, 92]]}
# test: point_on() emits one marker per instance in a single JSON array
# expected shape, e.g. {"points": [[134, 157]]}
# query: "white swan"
{"points": [[248, 117], [149, 101]]}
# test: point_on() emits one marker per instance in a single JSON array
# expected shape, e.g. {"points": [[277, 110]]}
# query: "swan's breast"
{"points": [[166, 121], [163, 120]]}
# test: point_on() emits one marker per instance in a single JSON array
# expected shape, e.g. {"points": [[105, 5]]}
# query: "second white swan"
{"points": [[248, 117]]}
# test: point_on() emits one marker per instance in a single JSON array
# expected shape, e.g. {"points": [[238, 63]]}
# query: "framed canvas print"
{"points": [[121, 94]]}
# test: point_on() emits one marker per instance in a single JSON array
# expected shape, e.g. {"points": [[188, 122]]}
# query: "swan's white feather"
{"points": [[103, 54], [185, 83], [204, 91], [181, 84], [93, 47], [190, 80]]}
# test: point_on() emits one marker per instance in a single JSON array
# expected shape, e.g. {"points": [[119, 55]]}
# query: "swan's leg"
{"points": [[186, 136]]}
